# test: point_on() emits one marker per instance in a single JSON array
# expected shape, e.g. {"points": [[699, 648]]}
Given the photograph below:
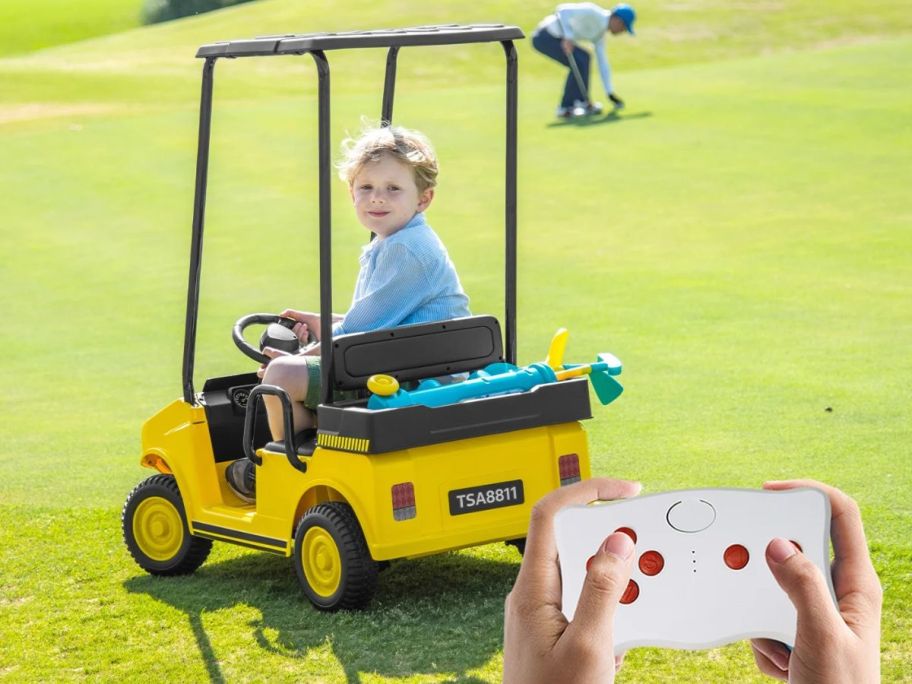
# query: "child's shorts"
{"points": [[315, 385]]}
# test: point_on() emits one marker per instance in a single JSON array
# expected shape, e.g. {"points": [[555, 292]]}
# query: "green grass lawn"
{"points": [[739, 237], [27, 26]]}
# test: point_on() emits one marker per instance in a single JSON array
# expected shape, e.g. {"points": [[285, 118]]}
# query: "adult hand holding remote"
{"points": [[540, 645], [832, 645]]}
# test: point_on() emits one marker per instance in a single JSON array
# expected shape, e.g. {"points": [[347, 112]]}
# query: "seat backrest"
{"points": [[414, 352]]}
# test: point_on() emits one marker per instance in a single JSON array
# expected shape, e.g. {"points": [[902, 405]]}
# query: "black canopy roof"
{"points": [[450, 34]]}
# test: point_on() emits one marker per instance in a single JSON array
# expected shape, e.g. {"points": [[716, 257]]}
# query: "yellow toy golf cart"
{"points": [[400, 470]]}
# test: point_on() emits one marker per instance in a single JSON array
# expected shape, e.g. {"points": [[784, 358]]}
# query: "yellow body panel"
{"points": [[177, 438]]}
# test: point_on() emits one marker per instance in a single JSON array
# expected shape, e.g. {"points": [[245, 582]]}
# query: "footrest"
{"points": [[305, 443]]}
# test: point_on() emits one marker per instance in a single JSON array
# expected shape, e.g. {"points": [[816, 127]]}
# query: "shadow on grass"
{"points": [[437, 614], [610, 117]]}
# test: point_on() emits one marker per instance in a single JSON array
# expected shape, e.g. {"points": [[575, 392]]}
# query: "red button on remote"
{"points": [[651, 563], [630, 533], [736, 556], [631, 592]]}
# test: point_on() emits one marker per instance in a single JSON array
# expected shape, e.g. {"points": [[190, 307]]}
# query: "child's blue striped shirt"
{"points": [[405, 278]]}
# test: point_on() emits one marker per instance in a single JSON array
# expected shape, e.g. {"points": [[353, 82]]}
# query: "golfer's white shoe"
{"points": [[581, 109]]}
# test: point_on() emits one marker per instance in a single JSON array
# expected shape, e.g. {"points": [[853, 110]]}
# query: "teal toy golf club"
{"points": [[501, 378]]}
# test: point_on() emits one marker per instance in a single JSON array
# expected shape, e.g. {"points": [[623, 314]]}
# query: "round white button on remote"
{"points": [[691, 515]]}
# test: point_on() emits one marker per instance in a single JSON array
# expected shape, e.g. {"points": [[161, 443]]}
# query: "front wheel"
{"points": [[155, 529], [331, 558]]}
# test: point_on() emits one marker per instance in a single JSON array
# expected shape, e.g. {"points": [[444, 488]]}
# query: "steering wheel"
{"points": [[278, 335]]}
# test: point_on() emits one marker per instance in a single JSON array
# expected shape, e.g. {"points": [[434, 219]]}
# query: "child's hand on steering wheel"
{"points": [[308, 326]]}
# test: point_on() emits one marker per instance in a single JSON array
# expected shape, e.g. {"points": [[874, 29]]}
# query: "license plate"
{"points": [[485, 497]]}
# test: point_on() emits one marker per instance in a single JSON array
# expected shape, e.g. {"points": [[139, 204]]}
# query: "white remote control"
{"points": [[700, 577]]}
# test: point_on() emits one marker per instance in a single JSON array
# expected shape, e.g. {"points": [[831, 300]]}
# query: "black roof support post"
{"points": [[323, 154], [510, 202], [199, 212], [389, 87]]}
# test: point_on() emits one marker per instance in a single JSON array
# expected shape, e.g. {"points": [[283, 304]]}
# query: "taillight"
{"points": [[569, 469], [404, 501]]}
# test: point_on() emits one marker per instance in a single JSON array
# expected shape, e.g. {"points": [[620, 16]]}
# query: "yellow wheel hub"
{"points": [[158, 529], [321, 561]]}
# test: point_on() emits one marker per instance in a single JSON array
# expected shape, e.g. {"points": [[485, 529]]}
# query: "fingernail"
{"points": [[619, 545], [780, 549]]}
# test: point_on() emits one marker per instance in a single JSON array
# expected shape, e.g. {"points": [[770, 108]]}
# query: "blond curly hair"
{"points": [[407, 146]]}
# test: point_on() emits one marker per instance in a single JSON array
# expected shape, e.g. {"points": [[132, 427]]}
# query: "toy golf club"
{"points": [[501, 378]]}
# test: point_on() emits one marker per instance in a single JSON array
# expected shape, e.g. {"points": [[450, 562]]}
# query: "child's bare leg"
{"points": [[291, 374]]}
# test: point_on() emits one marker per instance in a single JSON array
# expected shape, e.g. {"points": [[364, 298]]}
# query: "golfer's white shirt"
{"points": [[583, 21]]}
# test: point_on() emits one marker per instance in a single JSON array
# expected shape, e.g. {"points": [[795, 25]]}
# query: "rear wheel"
{"points": [[155, 529], [332, 560]]}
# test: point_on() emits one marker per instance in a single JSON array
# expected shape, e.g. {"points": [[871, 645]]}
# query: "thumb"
{"points": [[291, 313], [806, 589], [606, 581], [274, 353]]}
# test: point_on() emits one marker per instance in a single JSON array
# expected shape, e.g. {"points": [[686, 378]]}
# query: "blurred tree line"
{"points": [[155, 11]]}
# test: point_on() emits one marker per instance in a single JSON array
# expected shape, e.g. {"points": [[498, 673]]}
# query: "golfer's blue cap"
{"points": [[625, 13]]}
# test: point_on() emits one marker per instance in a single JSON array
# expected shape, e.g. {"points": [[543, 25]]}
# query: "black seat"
{"points": [[415, 352]]}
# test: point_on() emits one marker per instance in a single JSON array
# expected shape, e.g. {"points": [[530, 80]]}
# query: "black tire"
{"points": [[330, 547], [155, 529], [520, 545]]}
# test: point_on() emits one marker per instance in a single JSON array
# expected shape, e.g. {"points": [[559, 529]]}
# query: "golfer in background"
{"points": [[557, 36]]}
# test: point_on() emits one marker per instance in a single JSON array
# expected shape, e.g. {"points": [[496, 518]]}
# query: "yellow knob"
{"points": [[384, 385]]}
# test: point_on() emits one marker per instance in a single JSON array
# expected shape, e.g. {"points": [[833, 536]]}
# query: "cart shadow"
{"points": [[431, 615], [610, 117]]}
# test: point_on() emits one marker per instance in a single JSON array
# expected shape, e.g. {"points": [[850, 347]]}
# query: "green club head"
{"points": [[607, 389]]}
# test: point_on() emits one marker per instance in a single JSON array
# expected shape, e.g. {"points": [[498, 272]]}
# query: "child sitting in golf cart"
{"points": [[406, 275]]}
